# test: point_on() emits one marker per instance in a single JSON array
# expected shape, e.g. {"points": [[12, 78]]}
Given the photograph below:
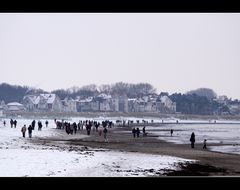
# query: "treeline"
{"points": [[201, 101], [15, 93], [199, 105], [120, 88]]}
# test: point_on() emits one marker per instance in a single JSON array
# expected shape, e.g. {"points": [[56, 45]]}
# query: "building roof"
{"points": [[14, 104], [49, 97], [104, 96], [89, 99]]}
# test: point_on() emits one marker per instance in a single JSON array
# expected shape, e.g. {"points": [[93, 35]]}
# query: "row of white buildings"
{"points": [[102, 102]]}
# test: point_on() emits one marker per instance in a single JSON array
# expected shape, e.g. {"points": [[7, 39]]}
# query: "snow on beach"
{"points": [[214, 133], [225, 136], [19, 157], [231, 149]]}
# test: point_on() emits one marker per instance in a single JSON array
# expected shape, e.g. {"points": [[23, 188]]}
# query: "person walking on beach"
{"points": [[205, 144], [30, 131], [105, 134], [88, 127], [15, 123], [46, 123], [75, 127], [4, 123], [33, 124], [144, 131], [39, 125], [79, 125], [11, 123], [138, 132], [171, 132], [192, 139], [67, 128], [134, 132], [23, 130]]}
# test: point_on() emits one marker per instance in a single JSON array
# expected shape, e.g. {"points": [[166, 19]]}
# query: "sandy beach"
{"points": [[120, 138]]}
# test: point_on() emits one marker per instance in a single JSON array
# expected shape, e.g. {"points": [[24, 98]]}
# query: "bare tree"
{"points": [[105, 88]]}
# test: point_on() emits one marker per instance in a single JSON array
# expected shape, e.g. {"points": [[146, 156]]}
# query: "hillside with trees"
{"points": [[15, 93], [119, 89], [195, 104], [201, 101]]}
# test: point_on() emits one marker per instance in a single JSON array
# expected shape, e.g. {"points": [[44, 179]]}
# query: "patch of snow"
{"points": [[20, 157], [232, 149]]}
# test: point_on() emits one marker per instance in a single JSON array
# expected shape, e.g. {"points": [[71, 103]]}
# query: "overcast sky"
{"points": [[175, 52]]}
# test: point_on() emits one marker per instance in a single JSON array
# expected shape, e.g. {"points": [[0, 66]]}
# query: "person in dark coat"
{"points": [[39, 125], [171, 132], [4, 123], [144, 131], [46, 123], [205, 144], [134, 132], [71, 128], [88, 127], [79, 126], [138, 132], [30, 131], [15, 123], [23, 130], [33, 124], [11, 123], [75, 127], [67, 128], [192, 139]]}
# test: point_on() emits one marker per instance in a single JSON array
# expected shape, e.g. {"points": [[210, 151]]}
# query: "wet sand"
{"points": [[209, 163]]}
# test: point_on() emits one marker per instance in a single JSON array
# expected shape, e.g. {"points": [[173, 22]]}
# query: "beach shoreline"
{"points": [[208, 163]]}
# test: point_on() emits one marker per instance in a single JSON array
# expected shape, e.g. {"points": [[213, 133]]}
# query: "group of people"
{"points": [[24, 129], [192, 140], [32, 127], [12, 123], [88, 124], [72, 128], [136, 132]]}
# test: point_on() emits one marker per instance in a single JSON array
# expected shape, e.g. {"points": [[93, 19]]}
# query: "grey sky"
{"points": [[175, 52]]}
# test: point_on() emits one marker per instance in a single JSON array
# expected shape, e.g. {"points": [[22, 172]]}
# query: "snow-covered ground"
{"points": [[221, 134], [233, 149], [20, 157], [214, 133]]}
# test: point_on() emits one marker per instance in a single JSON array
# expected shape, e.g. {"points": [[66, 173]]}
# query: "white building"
{"points": [[85, 104], [114, 104], [1, 111], [234, 108], [123, 103], [31, 102], [104, 102], [69, 105], [15, 106], [168, 103], [43, 102], [222, 100]]}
